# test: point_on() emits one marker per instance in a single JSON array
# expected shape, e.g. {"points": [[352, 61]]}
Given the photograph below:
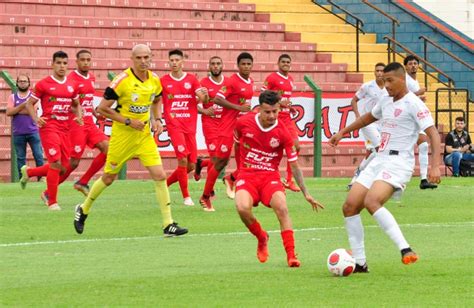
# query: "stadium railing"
{"points": [[317, 143]]}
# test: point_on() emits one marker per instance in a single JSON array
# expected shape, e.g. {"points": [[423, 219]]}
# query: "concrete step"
{"points": [[290, 8], [325, 28], [307, 18], [328, 37], [348, 47], [282, 2]]}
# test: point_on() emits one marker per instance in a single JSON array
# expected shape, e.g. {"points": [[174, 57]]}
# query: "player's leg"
{"points": [[97, 164], [212, 174], [378, 194], [291, 126], [279, 206], [229, 180], [351, 209], [244, 201], [423, 149]]}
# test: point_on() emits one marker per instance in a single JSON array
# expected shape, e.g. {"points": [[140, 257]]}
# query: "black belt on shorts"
{"points": [[392, 152]]}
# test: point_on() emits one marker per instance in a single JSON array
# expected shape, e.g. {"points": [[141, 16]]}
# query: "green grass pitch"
{"points": [[122, 258]]}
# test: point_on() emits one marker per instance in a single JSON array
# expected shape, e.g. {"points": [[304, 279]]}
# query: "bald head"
{"points": [[141, 58], [140, 48]]}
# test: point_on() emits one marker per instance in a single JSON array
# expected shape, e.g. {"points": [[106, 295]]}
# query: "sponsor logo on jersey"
{"points": [[138, 109], [274, 143], [249, 135]]}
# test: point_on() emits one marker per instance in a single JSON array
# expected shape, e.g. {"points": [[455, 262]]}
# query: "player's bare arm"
{"points": [[206, 111], [298, 175], [156, 116], [433, 174], [360, 122], [105, 108], [354, 102], [76, 109], [30, 107], [226, 104], [202, 95]]}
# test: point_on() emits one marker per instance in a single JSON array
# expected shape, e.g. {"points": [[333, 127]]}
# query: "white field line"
{"points": [[428, 225]]}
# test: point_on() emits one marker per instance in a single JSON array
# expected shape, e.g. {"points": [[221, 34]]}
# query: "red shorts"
{"points": [[260, 185], [224, 146], [290, 125], [56, 145], [210, 137], [184, 145], [89, 135]]}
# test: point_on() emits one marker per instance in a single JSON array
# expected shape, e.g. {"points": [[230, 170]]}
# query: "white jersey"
{"points": [[412, 84], [401, 121], [369, 94]]}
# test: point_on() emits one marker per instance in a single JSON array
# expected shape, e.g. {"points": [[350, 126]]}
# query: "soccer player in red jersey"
{"points": [[262, 138], [282, 83], [235, 98], [88, 134], [210, 123], [180, 112], [59, 96]]}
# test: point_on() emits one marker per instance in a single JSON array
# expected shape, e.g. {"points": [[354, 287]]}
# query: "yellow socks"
{"points": [[163, 198], [95, 191]]}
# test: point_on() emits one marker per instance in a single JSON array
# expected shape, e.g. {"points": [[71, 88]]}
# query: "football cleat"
{"points": [[361, 268], [291, 186], [54, 207], [408, 256], [262, 249], [293, 262], [174, 230], [206, 204], [424, 184], [197, 170], [229, 187], [24, 176], [79, 219], [83, 188], [45, 197], [188, 201]]}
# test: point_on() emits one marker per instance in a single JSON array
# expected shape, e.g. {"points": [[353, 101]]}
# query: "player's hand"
{"points": [[137, 124], [156, 127], [422, 97], [285, 103], [314, 203], [434, 175], [41, 121], [245, 107], [79, 121], [208, 112], [335, 139], [203, 91]]}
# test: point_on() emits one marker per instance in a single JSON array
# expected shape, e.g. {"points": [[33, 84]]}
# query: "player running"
{"points": [[136, 91], [59, 96], [180, 112], [364, 101], [235, 98], [402, 116], [262, 138], [282, 83]]}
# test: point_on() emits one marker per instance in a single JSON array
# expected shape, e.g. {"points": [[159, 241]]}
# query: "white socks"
{"points": [[355, 231], [423, 159], [388, 223]]}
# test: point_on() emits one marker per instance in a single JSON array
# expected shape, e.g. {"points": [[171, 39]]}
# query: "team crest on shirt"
{"points": [[386, 175], [134, 97], [240, 183], [113, 165], [77, 149], [181, 148], [274, 143], [70, 89], [397, 112], [52, 152], [212, 147], [187, 85], [224, 148]]}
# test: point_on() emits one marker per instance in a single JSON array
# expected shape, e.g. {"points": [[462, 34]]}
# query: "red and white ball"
{"points": [[341, 262]]}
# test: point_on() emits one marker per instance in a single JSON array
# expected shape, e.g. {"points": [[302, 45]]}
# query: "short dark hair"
{"points": [[244, 55], [268, 97], [460, 119], [394, 66], [60, 54], [284, 56], [215, 57], [78, 54], [177, 52], [410, 58], [380, 64]]}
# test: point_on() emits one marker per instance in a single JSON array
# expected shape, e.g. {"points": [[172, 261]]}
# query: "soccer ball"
{"points": [[341, 262]]}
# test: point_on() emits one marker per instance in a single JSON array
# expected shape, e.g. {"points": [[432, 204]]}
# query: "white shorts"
{"points": [[371, 135], [393, 169]]}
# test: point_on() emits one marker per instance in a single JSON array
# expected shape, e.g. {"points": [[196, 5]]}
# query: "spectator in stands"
{"points": [[458, 146], [24, 129]]}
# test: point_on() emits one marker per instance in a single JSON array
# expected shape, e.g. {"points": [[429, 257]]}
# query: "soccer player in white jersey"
{"points": [[402, 115], [364, 101], [411, 66]]}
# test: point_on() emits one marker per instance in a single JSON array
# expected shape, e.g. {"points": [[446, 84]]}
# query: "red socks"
{"points": [[206, 163], [96, 165], [212, 175], [288, 242], [52, 182], [256, 229], [38, 171]]}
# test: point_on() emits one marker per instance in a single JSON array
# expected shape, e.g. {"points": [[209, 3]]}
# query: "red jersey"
{"points": [[211, 123], [237, 91], [86, 90], [56, 98], [179, 102], [281, 84], [261, 149]]}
